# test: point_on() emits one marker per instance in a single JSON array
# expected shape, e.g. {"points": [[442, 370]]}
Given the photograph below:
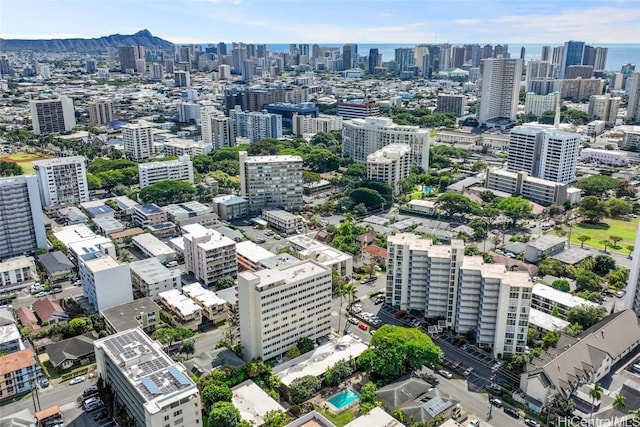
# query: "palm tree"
{"points": [[619, 402], [606, 244], [350, 291], [595, 394], [631, 248], [583, 239]]}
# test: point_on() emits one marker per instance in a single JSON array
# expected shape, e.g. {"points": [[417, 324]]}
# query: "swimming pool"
{"points": [[344, 399]]}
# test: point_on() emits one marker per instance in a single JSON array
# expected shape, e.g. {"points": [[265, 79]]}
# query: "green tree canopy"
{"points": [[592, 208], [561, 285], [276, 418], [167, 192], [78, 326], [9, 169], [369, 197], [617, 207], [596, 185], [588, 281], [214, 393], [453, 203], [515, 208], [585, 315], [224, 414], [396, 350], [303, 388], [603, 264]]}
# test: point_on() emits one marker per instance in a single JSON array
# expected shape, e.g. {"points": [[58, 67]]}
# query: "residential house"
{"points": [[576, 361], [73, 351], [56, 265], [50, 310]]}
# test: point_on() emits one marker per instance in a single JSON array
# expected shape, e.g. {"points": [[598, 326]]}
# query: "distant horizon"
{"points": [[333, 21]]}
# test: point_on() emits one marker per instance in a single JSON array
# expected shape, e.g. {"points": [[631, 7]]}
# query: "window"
{"points": [[166, 417]]}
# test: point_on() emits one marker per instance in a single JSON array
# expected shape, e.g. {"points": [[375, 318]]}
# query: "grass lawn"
{"points": [[24, 160], [603, 230], [339, 420]]}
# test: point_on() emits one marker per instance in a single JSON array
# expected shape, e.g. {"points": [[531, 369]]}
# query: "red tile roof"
{"points": [[17, 360], [375, 251], [46, 307]]}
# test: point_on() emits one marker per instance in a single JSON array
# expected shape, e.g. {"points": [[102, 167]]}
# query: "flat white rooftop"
{"points": [[318, 361], [105, 262], [560, 297], [253, 403], [180, 302], [153, 245], [252, 252]]}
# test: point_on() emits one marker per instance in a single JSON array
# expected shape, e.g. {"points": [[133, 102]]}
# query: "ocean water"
{"points": [[617, 56]]}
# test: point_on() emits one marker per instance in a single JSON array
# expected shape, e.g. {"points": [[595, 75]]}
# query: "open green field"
{"points": [[24, 160], [604, 230]]}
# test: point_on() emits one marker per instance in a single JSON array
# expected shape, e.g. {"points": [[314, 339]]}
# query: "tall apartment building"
{"points": [[571, 55], [538, 69], [633, 106], [545, 153], [632, 298], [138, 140], [494, 303], [278, 307], [579, 88], [604, 107], [217, 129], [255, 98], [208, 255], [155, 390], [62, 180], [499, 89], [361, 137], [188, 111], [174, 170], [256, 125], [405, 59], [357, 109], [100, 112], [105, 282], [390, 164], [271, 182], [21, 224], [181, 79], [538, 104], [422, 276], [305, 125], [128, 58], [349, 55], [451, 104], [52, 115], [582, 71]]}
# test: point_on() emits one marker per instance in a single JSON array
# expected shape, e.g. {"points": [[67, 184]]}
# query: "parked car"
{"points": [[42, 294], [493, 388], [90, 401], [456, 364], [353, 321], [496, 402], [77, 380], [531, 423], [445, 374], [94, 406], [363, 326], [101, 414], [56, 290], [511, 412], [468, 372], [44, 382], [91, 391], [474, 423]]}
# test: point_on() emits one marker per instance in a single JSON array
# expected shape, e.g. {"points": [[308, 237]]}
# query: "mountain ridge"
{"points": [[142, 38]]}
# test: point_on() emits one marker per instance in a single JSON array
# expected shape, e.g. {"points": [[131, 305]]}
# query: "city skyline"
{"points": [[312, 21]]}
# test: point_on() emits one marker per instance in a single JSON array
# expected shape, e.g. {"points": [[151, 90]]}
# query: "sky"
{"points": [[328, 21]]}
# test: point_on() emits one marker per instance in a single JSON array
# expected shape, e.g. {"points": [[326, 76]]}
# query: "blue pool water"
{"points": [[344, 399]]}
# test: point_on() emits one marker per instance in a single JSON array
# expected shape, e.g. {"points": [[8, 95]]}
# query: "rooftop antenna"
{"points": [[556, 120]]}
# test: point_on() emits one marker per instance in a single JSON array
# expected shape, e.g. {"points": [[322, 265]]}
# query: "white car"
{"points": [[77, 380]]}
